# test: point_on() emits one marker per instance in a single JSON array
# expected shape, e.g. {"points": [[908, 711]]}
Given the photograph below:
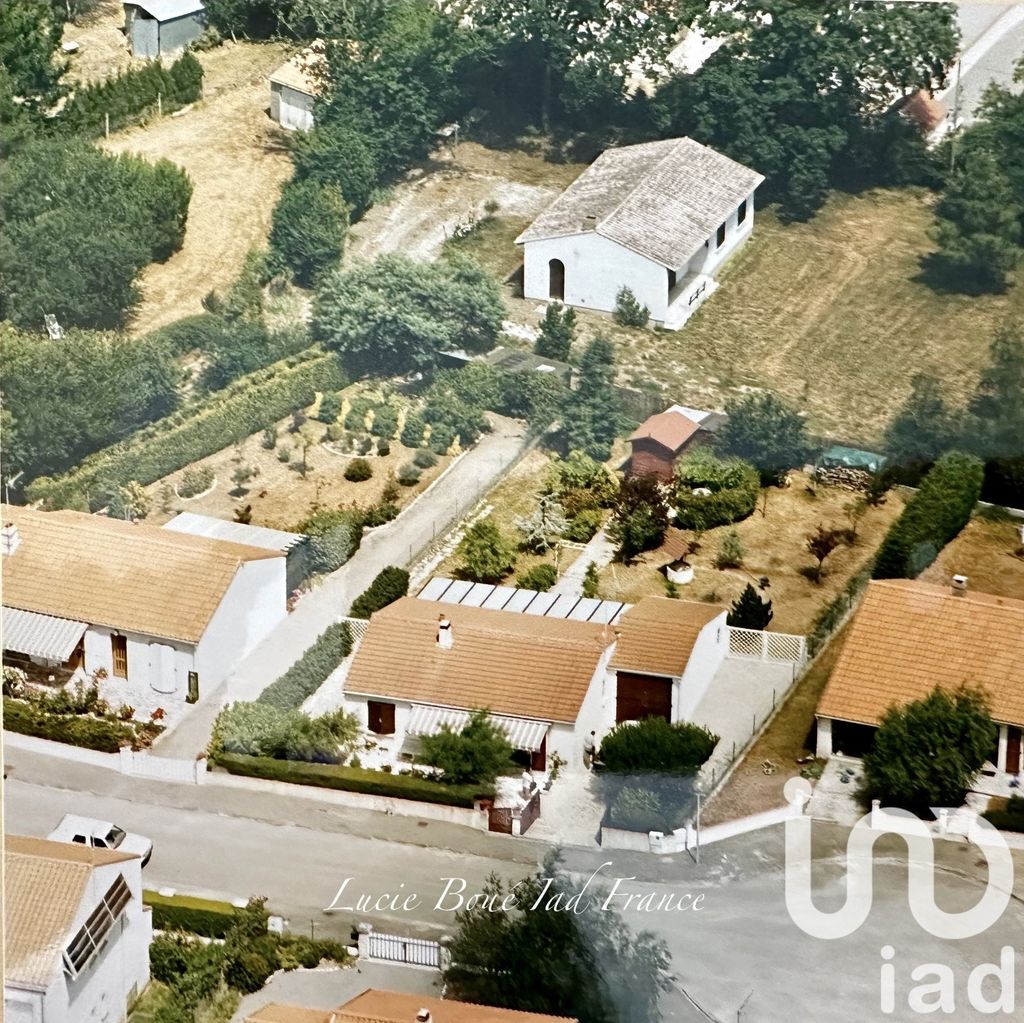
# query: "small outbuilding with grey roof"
{"points": [[158, 27], [658, 218]]}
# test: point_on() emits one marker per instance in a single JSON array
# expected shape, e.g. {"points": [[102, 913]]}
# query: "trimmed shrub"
{"points": [[262, 730], [306, 676], [330, 407], [249, 405], [383, 447], [359, 409], [195, 481], [73, 729], [380, 514], [207, 917], [734, 485], [424, 459], [932, 517], [385, 421], [307, 233], [540, 577], [334, 536], [413, 430], [353, 779], [584, 524], [442, 437], [1009, 819], [334, 432], [358, 470], [390, 584], [657, 746], [408, 475]]}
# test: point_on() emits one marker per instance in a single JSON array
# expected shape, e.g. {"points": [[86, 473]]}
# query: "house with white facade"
{"points": [[908, 637], [295, 87], [550, 669], [77, 933], [165, 611], [659, 218]]}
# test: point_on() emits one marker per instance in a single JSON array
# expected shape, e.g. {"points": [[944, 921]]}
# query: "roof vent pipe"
{"points": [[445, 639], [959, 585]]}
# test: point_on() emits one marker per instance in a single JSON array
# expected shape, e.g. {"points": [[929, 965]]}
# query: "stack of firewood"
{"points": [[843, 476]]}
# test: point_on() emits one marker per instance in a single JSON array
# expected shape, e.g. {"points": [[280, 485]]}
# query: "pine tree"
{"points": [[749, 611], [557, 330], [978, 227], [592, 412]]}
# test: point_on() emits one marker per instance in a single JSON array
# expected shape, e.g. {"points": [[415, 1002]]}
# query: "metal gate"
{"points": [[394, 948]]}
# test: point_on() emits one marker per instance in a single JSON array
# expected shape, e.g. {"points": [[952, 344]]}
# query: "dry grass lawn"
{"points": [[774, 546], [227, 145], [986, 553]]}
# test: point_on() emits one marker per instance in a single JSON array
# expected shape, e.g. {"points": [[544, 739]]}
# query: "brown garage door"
{"points": [[642, 696]]}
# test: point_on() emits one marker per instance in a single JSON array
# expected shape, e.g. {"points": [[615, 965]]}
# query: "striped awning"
{"points": [[522, 733], [36, 635]]}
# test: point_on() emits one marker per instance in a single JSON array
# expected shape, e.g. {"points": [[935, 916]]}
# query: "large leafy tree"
{"points": [[798, 86], [978, 226], [485, 554], [395, 315], [588, 45], [592, 416], [765, 430], [581, 962], [925, 426], [928, 753], [640, 517], [30, 32], [476, 754], [307, 234]]}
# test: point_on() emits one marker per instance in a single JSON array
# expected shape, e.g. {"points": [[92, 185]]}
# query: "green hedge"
{"points": [[932, 517], [183, 913], [74, 729], [1011, 818], [734, 485], [125, 96], [352, 779], [390, 584], [310, 671], [249, 405]]}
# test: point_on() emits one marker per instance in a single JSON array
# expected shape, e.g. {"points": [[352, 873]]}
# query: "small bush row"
{"points": [[932, 517], [76, 730], [1011, 818], [390, 584], [184, 913], [247, 406], [352, 779], [310, 671]]}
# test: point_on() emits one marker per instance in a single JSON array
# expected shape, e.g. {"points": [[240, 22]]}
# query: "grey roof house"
{"points": [[657, 218]]}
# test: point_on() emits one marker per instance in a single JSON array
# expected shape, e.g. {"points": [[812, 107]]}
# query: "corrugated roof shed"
{"points": [[167, 10]]}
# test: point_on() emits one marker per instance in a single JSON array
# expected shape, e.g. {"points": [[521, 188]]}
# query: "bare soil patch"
{"points": [[102, 45], [774, 547], [453, 189], [984, 552], [227, 144]]}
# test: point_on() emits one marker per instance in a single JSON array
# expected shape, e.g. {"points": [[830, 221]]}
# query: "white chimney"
{"points": [[445, 639], [959, 586], [423, 1016], [11, 538]]}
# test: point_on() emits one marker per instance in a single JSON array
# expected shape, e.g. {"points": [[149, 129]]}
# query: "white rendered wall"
{"points": [[710, 649], [152, 663], [290, 108]]}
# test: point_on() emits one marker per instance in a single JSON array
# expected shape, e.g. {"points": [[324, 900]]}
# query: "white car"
{"points": [[101, 835]]}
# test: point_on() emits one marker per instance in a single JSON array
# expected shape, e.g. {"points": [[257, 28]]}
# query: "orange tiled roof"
{"points": [[908, 637], [670, 429], [374, 1006], [657, 635], [131, 576], [278, 1012], [518, 664]]}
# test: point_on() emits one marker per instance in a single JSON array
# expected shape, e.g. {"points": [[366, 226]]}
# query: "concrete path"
{"points": [[600, 550], [399, 542]]}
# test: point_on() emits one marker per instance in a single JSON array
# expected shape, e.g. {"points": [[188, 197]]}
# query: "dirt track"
{"points": [[225, 144]]}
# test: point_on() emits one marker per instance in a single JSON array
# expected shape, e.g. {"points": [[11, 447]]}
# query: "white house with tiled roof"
{"points": [[908, 637], [166, 611], [546, 681], [77, 934], [659, 218]]}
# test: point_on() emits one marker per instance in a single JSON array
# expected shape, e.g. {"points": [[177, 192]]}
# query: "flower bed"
{"points": [[85, 730]]}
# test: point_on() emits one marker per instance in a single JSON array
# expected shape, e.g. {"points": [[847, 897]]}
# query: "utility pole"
{"points": [[956, 119]]}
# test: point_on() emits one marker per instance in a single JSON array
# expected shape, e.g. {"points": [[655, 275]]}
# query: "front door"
{"points": [[1013, 746], [539, 759]]}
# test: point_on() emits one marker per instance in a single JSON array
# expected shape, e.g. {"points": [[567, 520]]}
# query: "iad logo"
{"points": [[925, 998], [859, 875]]}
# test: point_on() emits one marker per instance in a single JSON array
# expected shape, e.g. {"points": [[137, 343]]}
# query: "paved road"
{"points": [[993, 43], [741, 942], [397, 543]]}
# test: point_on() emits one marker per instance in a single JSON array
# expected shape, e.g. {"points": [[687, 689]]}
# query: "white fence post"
{"points": [[127, 757], [365, 930]]}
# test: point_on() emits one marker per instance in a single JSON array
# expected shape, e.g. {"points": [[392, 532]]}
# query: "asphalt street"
{"points": [[739, 948]]}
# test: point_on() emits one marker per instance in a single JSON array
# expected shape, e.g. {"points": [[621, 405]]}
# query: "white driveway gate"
{"points": [[394, 948]]}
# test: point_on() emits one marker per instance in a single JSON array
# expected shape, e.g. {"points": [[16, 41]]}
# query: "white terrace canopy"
{"points": [[522, 733], [38, 635]]}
